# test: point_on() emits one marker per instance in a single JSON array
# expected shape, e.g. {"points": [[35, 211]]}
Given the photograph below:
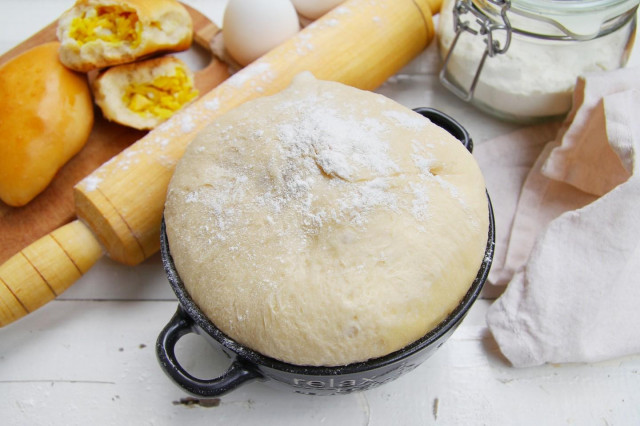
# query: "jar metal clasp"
{"points": [[485, 27]]}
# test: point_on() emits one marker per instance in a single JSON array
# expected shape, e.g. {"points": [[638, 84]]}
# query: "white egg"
{"points": [[313, 9], [251, 28]]}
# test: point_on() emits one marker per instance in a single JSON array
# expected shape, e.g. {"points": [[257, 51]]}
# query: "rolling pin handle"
{"points": [[45, 269]]}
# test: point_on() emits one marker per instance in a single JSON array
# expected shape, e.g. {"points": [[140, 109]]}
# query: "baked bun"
{"points": [[326, 225], [101, 33], [144, 94], [46, 115]]}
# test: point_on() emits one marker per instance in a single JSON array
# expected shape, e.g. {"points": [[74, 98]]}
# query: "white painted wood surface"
{"points": [[88, 357]]}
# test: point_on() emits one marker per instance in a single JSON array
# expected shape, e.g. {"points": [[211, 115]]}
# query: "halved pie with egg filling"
{"points": [[100, 33], [144, 94]]}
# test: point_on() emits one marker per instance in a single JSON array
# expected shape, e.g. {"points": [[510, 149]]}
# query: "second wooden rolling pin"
{"points": [[361, 43]]}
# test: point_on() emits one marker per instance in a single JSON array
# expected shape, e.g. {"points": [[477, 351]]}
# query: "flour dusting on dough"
{"points": [[326, 225]]}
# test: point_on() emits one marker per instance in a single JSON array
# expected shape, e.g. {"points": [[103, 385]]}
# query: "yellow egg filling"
{"points": [[162, 97], [110, 24]]}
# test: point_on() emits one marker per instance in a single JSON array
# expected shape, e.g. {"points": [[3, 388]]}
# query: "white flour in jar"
{"points": [[534, 78]]}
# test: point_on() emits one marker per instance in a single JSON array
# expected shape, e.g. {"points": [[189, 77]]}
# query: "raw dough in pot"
{"points": [[326, 225]]}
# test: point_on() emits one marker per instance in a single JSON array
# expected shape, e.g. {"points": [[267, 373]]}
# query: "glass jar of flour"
{"points": [[519, 59]]}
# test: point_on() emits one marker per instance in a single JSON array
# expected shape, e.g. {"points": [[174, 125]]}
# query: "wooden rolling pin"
{"points": [[119, 206]]}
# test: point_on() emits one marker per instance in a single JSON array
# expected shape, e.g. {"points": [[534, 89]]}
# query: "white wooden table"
{"points": [[88, 357]]}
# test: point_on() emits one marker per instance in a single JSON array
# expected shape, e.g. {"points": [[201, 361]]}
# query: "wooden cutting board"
{"points": [[54, 207]]}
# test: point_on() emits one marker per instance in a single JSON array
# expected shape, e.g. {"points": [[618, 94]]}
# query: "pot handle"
{"points": [[179, 326], [443, 120]]}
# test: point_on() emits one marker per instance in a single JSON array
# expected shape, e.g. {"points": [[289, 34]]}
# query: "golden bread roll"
{"points": [[101, 33], [46, 115], [326, 225], [144, 94]]}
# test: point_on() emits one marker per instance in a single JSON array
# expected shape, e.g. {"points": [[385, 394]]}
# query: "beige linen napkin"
{"points": [[571, 254]]}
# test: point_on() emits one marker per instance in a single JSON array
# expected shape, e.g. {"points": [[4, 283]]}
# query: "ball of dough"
{"points": [[326, 225], [313, 9], [251, 28]]}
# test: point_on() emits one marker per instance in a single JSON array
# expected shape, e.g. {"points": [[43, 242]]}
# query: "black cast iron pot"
{"points": [[250, 365]]}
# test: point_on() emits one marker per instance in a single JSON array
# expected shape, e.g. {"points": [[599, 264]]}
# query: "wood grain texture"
{"points": [[54, 207], [45, 269]]}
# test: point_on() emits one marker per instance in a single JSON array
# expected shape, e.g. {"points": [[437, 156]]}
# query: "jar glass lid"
{"points": [[580, 19]]}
